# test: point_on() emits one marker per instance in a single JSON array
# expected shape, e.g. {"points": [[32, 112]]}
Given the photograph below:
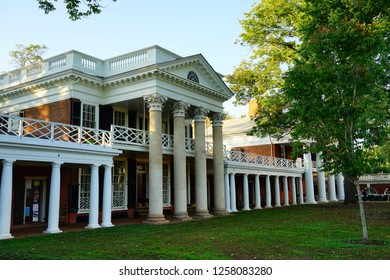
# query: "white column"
{"points": [[155, 103], [54, 199], [246, 193], [309, 179], [277, 192], [94, 198], [227, 193], [201, 210], [6, 200], [285, 192], [321, 180], [300, 188], [233, 204], [293, 191], [257, 192], [340, 187], [332, 188], [268, 203], [218, 165], [179, 161], [107, 197]]}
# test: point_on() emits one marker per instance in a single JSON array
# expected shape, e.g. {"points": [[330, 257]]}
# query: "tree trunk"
{"points": [[362, 214], [352, 195], [349, 190]]}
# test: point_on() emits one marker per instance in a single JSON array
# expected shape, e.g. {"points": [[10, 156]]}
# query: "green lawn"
{"points": [[325, 231]]}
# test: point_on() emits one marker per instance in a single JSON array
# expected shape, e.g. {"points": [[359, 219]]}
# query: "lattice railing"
{"points": [[167, 141], [43, 130], [375, 177], [129, 136], [246, 158]]}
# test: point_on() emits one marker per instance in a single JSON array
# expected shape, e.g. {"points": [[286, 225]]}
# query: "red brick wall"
{"points": [[264, 150], [55, 112]]}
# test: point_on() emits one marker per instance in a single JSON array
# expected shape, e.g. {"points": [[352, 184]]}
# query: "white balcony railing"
{"points": [[375, 177], [255, 159], [25, 128]]}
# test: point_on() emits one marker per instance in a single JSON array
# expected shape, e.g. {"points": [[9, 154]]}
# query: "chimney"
{"points": [[253, 107]]}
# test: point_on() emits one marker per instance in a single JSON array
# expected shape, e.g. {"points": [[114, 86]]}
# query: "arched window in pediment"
{"points": [[193, 77]]}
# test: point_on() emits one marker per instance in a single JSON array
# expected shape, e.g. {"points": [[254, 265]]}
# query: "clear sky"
{"points": [[185, 27]]}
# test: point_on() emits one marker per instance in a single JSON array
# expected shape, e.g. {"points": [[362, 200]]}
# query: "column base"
{"points": [[52, 231], [323, 201], [220, 212], [202, 215], [5, 236], [107, 225], [311, 202], [268, 207], [257, 208], [246, 209], [286, 204], [333, 200], [181, 216], [156, 219], [93, 226]]}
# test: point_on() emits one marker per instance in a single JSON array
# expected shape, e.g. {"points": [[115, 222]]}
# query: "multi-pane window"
{"points": [[119, 118], [85, 187], [119, 185], [89, 115], [166, 185]]}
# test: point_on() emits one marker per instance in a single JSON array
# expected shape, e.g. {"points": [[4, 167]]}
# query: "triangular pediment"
{"points": [[195, 69]]}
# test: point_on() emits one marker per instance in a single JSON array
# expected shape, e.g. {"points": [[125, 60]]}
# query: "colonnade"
{"points": [[289, 184], [155, 104], [54, 198]]}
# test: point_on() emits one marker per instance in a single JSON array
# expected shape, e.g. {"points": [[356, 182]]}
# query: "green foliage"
{"points": [[270, 30], [73, 7], [25, 55], [320, 73], [337, 90]]}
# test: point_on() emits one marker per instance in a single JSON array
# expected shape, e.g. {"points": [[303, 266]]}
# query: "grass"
{"points": [[326, 231]]}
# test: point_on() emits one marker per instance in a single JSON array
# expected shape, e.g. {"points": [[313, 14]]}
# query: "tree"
{"points": [[271, 30], [320, 72], [25, 55], [338, 90], [73, 7]]}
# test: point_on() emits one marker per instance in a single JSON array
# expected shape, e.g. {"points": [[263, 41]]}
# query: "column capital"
{"points": [[8, 161], [179, 108], [155, 101], [218, 118], [200, 114], [56, 163]]}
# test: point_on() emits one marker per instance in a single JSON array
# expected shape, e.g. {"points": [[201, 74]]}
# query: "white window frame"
{"points": [[119, 181], [84, 189], [126, 117], [95, 114]]}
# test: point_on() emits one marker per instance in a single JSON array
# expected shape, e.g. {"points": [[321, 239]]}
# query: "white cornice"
{"points": [[61, 78]]}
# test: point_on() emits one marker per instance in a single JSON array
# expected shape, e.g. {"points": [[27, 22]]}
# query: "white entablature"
{"points": [[125, 77]]}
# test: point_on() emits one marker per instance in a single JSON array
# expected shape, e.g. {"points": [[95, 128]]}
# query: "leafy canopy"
{"points": [[319, 71], [73, 7]]}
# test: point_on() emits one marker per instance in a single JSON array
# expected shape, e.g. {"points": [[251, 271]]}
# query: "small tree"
{"points": [[25, 55]]}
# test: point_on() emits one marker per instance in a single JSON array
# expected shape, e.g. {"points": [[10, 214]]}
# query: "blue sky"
{"points": [[185, 27]]}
